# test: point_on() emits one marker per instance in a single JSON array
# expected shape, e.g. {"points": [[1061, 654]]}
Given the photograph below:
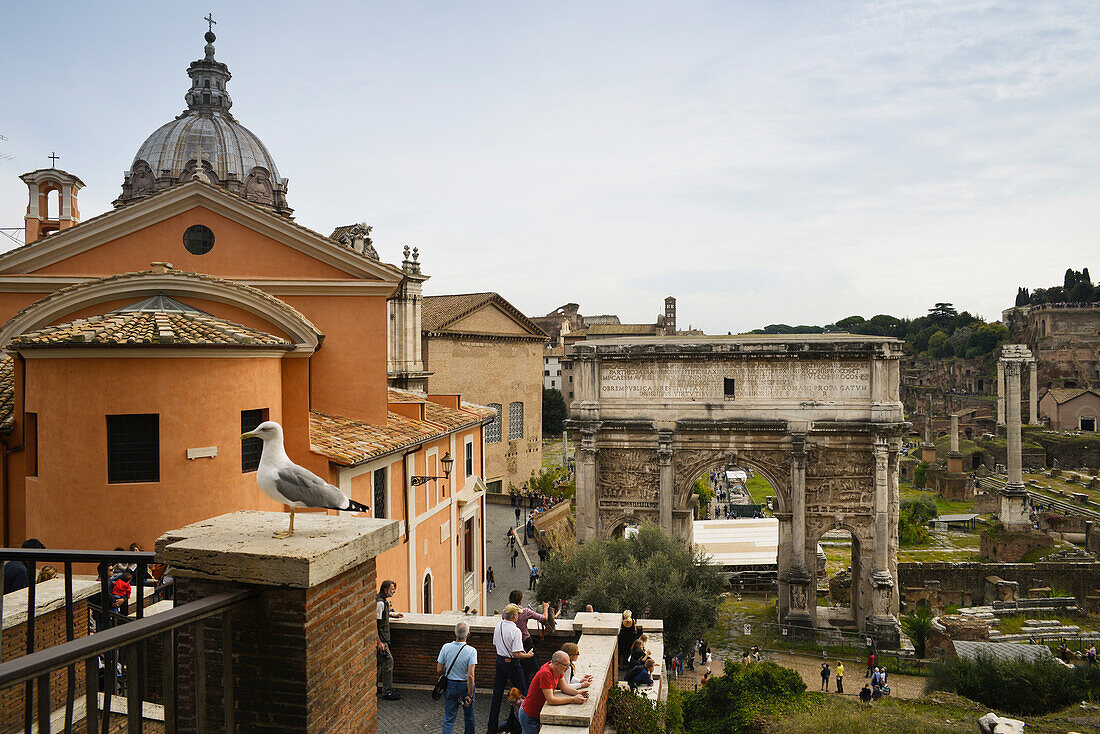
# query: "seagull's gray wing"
{"points": [[298, 484]]}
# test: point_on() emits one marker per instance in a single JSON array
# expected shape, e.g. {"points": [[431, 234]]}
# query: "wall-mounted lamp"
{"points": [[446, 462]]}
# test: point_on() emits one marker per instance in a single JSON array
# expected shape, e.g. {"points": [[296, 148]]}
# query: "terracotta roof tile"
{"points": [[347, 441], [149, 328], [7, 390], [618, 329], [1064, 394]]}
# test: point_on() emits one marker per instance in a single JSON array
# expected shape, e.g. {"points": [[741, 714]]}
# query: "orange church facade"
{"points": [[139, 344]]}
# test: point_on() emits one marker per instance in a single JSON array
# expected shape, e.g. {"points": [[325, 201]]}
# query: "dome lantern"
{"points": [[208, 143]]}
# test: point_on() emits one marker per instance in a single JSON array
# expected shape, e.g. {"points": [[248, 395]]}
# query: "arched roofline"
{"points": [[175, 283]]}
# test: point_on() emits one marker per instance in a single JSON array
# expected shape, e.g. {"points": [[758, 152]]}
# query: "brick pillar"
{"points": [[304, 648]]}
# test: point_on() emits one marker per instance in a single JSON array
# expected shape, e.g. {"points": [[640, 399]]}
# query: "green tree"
{"points": [[553, 412], [987, 337], [650, 573], [1022, 296], [939, 346], [704, 491], [941, 313]]}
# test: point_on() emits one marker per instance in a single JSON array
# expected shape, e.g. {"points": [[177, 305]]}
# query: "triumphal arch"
{"points": [[819, 416]]}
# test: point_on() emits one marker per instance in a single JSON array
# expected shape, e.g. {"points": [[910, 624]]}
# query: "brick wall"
{"points": [[1077, 579], [1008, 547], [49, 630], [599, 718], [415, 650], [285, 643]]}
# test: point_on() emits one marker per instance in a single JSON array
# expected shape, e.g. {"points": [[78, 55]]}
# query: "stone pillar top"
{"points": [[239, 547]]}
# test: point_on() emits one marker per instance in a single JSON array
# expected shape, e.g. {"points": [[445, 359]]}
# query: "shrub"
{"points": [[740, 698], [918, 626], [674, 711], [1018, 686], [920, 474], [630, 713]]}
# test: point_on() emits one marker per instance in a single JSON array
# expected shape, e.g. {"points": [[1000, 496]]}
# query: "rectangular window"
{"points": [[728, 387], [30, 441], [515, 421], [133, 448], [496, 486], [251, 448], [468, 542], [492, 430], [379, 509], [546, 373], [469, 457]]}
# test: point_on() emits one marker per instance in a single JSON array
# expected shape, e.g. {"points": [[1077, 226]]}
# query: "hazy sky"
{"points": [[771, 161]]}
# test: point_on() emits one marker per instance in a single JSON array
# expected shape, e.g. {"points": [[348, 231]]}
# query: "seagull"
{"points": [[284, 481]]}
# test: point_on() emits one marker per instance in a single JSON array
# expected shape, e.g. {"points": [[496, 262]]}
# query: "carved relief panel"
{"points": [[840, 481]]}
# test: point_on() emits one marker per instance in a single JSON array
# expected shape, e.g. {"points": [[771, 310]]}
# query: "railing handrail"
{"points": [[39, 663], [75, 556]]}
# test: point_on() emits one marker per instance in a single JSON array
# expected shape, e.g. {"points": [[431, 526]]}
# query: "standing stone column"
{"points": [[1000, 393], [586, 487], [799, 577], [667, 490], [881, 623], [954, 458], [928, 448], [303, 649], [1014, 513], [1033, 393]]}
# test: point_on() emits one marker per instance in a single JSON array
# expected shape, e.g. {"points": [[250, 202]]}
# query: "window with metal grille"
{"points": [[380, 493], [469, 451], [515, 421], [251, 448], [30, 442], [133, 448], [492, 430]]}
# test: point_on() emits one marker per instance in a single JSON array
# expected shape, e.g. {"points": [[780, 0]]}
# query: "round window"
{"points": [[198, 239]]}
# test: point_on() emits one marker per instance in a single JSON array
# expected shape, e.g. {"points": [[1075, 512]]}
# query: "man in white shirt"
{"points": [[508, 642]]}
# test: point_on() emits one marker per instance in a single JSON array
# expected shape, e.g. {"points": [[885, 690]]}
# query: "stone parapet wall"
{"points": [[968, 579], [416, 640], [556, 529], [1005, 546]]}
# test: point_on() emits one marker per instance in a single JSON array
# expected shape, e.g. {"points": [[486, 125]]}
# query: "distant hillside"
{"points": [[943, 333]]}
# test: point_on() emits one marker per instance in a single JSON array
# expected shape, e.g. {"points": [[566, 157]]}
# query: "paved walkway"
{"points": [[498, 518], [417, 713]]}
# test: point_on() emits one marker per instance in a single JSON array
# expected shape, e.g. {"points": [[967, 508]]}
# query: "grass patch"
{"points": [[759, 489]]}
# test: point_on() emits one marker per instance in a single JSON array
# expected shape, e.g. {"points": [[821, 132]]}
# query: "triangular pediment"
{"points": [[330, 260], [490, 319]]}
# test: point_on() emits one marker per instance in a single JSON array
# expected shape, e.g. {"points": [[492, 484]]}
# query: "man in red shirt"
{"points": [[544, 690]]}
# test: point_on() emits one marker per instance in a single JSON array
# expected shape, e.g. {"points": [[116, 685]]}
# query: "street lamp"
{"points": [[446, 462]]}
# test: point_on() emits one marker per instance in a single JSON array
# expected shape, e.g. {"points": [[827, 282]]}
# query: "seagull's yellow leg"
{"points": [[288, 533]]}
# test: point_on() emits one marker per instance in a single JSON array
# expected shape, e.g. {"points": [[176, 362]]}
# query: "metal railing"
{"points": [[117, 644]]}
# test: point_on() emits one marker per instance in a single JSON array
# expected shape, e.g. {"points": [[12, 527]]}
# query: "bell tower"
{"points": [[45, 216]]}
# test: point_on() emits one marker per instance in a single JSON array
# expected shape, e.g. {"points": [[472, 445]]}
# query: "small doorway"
{"points": [[1088, 424]]}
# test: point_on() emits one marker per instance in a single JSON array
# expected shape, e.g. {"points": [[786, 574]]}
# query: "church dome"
{"points": [[206, 142]]}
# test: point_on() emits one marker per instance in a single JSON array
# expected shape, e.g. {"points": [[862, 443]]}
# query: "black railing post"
{"points": [[28, 695], [91, 691], [168, 677], [43, 704], [133, 689], [70, 633]]}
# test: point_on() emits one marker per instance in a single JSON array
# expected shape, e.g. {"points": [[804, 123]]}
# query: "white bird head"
{"points": [[267, 431]]}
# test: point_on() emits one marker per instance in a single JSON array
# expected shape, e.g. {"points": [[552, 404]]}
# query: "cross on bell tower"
{"points": [[53, 159]]}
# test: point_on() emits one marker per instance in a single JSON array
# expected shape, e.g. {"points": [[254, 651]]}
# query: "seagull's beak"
{"points": [[249, 434]]}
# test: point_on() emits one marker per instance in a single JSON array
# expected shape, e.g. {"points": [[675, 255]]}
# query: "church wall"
{"points": [[514, 372], [238, 252], [199, 400], [349, 369]]}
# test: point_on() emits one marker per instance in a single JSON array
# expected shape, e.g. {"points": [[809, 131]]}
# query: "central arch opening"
{"points": [[838, 574]]}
